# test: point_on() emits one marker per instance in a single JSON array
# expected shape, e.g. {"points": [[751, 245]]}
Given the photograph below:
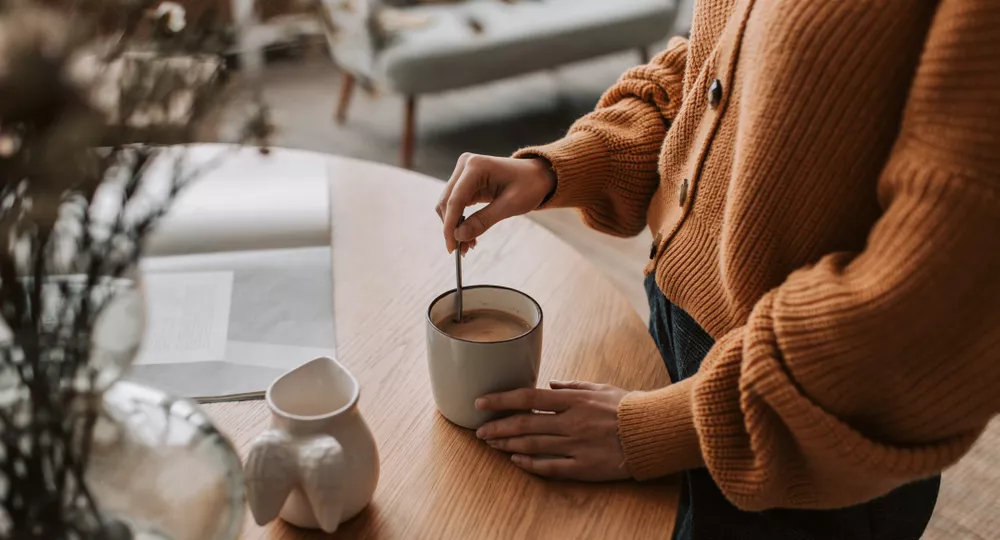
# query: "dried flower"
{"points": [[35, 44], [9, 144], [173, 15], [85, 109]]}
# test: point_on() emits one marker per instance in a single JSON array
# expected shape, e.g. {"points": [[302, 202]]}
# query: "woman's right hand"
{"points": [[511, 187]]}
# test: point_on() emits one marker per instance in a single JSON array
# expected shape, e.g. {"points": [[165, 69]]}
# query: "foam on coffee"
{"points": [[484, 326]]}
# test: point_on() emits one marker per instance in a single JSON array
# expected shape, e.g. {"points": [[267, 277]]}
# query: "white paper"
{"points": [[187, 317], [280, 316], [268, 355], [247, 371], [246, 202]]}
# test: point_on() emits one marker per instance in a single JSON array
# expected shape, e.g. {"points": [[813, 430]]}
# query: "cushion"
{"points": [[474, 42]]}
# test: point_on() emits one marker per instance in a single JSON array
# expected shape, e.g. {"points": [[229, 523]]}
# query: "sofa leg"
{"points": [[644, 54], [346, 90], [409, 132]]}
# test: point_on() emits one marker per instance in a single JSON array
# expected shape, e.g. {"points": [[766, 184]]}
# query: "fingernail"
{"points": [[462, 234], [518, 459], [480, 432], [481, 403]]}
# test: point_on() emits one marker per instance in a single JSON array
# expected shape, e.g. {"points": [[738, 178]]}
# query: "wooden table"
{"points": [[437, 480]]}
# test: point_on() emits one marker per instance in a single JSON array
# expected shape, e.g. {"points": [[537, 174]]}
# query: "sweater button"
{"points": [[684, 192], [655, 246], [715, 94]]}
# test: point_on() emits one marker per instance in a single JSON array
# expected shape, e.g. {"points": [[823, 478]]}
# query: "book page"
{"points": [[187, 317]]}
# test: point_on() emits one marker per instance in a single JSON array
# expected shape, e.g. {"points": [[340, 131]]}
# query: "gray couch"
{"points": [[423, 49]]}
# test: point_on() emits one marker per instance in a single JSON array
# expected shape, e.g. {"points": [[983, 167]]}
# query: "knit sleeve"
{"points": [[607, 163], [870, 370]]}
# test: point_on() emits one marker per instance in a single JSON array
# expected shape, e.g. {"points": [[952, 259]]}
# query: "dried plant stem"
{"points": [[60, 259]]}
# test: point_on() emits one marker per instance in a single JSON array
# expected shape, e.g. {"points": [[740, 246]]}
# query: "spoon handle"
{"points": [[458, 278]]}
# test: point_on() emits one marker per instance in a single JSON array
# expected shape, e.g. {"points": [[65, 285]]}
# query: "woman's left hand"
{"points": [[573, 436]]}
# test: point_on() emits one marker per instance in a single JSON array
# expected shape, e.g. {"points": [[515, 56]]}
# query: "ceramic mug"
{"points": [[462, 370]]}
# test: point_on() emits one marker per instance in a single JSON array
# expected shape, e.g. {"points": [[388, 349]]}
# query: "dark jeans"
{"points": [[706, 514]]}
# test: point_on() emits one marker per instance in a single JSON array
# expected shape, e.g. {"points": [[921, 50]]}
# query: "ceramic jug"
{"points": [[317, 466]]}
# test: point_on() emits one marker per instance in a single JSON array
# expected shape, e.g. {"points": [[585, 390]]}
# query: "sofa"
{"points": [[421, 48]]}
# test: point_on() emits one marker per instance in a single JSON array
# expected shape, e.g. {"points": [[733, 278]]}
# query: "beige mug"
{"points": [[462, 371]]}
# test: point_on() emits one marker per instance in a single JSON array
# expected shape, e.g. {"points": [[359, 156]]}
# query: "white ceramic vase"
{"points": [[317, 466]]}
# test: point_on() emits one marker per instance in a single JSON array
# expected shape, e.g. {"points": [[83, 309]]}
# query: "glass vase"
{"points": [[151, 466], [158, 468]]}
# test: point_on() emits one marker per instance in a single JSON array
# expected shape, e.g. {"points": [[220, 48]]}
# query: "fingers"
{"points": [[446, 194], [548, 467], [466, 246], [479, 222], [472, 180], [527, 399], [575, 385], [524, 424], [546, 445]]}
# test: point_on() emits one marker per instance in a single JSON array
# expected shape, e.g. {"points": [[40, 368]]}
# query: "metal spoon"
{"points": [[458, 277]]}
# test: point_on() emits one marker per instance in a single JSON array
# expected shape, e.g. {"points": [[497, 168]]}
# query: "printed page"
{"points": [[187, 317]]}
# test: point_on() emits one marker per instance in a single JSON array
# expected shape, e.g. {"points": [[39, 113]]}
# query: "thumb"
{"points": [[574, 385], [479, 222]]}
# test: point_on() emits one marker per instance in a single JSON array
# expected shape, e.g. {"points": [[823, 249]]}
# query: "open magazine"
{"points": [[223, 326]]}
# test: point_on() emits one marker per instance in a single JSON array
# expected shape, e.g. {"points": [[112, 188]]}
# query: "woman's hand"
{"points": [[511, 187], [575, 436]]}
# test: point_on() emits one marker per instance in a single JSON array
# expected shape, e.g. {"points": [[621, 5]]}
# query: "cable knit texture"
{"points": [[831, 215]]}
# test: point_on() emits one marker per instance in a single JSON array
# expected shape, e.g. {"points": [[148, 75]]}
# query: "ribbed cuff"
{"points": [[657, 431], [581, 162]]}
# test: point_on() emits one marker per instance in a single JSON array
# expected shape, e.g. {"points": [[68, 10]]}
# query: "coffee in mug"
{"points": [[496, 347], [484, 325]]}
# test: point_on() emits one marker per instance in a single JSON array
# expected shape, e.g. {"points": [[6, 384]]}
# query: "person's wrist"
{"points": [[547, 177]]}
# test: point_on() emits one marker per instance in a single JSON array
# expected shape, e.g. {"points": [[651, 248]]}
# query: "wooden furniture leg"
{"points": [[409, 132], [346, 90]]}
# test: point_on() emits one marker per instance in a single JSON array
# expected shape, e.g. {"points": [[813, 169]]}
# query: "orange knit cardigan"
{"points": [[823, 182]]}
